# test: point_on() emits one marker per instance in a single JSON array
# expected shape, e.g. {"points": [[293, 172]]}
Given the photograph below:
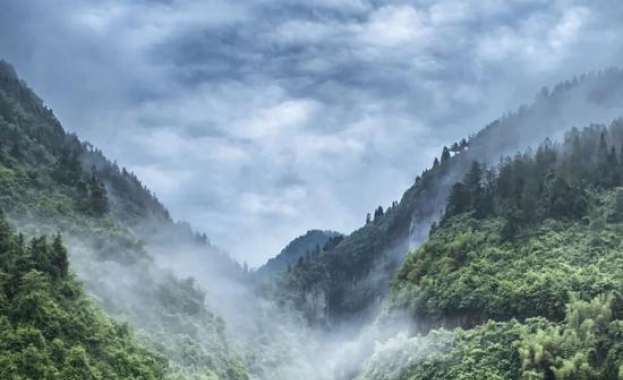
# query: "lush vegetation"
{"points": [[585, 345], [524, 261], [354, 275], [514, 241], [51, 181], [528, 258], [296, 251], [49, 329]]}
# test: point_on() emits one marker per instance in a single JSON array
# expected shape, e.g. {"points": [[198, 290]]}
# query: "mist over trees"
{"points": [[525, 262], [500, 264]]}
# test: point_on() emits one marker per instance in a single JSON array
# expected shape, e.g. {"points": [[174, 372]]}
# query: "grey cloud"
{"points": [[264, 119]]}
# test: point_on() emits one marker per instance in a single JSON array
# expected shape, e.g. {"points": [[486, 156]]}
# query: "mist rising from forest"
{"points": [[263, 333], [159, 284]]}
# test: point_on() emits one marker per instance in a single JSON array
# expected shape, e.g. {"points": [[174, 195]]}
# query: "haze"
{"points": [[259, 120]]}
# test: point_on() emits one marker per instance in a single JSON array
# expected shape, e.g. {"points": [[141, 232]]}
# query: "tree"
{"points": [[455, 148], [59, 257], [464, 144], [68, 168], [459, 200], [378, 213], [603, 166], [445, 155], [98, 198], [473, 179]]}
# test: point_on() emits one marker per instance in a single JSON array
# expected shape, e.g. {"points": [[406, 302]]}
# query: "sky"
{"points": [[259, 120]]}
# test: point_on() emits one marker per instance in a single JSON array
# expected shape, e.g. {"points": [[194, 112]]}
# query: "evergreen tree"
{"points": [[614, 176], [378, 213], [455, 148], [98, 198], [445, 155], [59, 259]]}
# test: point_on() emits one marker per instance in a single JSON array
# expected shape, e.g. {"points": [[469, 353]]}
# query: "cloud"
{"points": [[264, 119]]}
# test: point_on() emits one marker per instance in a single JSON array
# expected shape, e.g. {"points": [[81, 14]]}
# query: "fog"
{"points": [[254, 135], [275, 341], [205, 312]]}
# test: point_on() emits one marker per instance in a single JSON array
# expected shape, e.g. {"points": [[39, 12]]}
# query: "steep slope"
{"points": [[355, 275], [50, 329], [51, 181], [533, 247], [312, 241]]}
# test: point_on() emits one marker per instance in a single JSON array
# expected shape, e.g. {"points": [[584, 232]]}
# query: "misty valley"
{"points": [[502, 260]]}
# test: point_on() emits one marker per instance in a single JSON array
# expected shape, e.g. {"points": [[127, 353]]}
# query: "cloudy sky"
{"points": [[258, 120]]}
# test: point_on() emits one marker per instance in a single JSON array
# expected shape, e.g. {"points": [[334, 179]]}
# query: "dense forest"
{"points": [[489, 267], [50, 329], [52, 182], [353, 277], [526, 263]]}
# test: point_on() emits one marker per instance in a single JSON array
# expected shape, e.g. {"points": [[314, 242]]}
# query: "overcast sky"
{"points": [[258, 120]]}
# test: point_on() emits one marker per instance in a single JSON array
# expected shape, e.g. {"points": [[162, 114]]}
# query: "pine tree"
{"points": [[445, 155], [98, 198], [59, 259], [613, 166], [603, 170], [378, 213]]}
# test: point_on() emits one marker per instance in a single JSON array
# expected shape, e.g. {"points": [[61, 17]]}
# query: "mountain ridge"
{"points": [[379, 247]]}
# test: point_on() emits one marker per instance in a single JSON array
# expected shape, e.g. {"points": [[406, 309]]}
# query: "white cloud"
{"points": [[541, 41], [391, 26], [276, 121]]}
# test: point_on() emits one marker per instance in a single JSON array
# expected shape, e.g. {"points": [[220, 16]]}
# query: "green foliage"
{"points": [[313, 241], [544, 262], [98, 198], [408, 221], [586, 345], [466, 273], [50, 330], [51, 181]]}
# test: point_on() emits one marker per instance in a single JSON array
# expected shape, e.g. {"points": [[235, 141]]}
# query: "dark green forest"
{"points": [[50, 329], [526, 262], [499, 267], [52, 182], [355, 275]]}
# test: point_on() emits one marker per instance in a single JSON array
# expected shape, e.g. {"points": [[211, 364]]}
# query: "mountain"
{"points": [[50, 329], [524, 268], [120, 238], [354, 276], [513, 271], [312, 241]]}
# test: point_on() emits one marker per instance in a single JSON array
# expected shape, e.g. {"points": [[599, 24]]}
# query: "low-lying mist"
{"points": [[212, 318]]}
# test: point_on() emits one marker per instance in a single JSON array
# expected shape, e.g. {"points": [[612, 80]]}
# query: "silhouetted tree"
{"points": [[445, 155], [98, 198]]}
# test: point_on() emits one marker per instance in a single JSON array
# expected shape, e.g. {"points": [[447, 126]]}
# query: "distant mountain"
{"points": [[354, 276], [312, 241]]}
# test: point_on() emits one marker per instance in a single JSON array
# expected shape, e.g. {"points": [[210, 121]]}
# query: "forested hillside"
{"points": [[528, 260], [50, 329], [312, 242], [51, 181], [354, 276], [518, 275]]}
